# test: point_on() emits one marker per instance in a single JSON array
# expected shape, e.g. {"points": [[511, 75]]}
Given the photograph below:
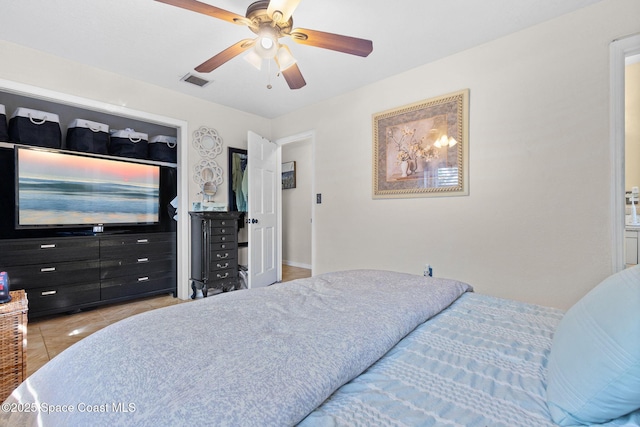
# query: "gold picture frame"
{"points": [[422, 149]]}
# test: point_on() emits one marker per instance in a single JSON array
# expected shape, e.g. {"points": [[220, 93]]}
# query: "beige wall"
{"points": [[536, 223], [632, 126]]}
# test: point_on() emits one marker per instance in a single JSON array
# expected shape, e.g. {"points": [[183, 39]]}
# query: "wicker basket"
{"points": [[13, 343]]}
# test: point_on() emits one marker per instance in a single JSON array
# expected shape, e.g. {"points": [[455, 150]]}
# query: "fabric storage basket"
{"points": [[87, 136], [4, 133], [33, 127], [129, 143], [163, 148]]}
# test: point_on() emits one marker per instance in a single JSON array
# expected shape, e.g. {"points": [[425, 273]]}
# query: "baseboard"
{"points": [[296, 264]]}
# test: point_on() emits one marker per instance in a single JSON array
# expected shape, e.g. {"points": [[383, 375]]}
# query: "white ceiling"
{"points": [[158, 43]]}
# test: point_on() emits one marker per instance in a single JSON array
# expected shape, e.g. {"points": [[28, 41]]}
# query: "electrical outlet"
{"points": [[318, 198], [428, 271]]}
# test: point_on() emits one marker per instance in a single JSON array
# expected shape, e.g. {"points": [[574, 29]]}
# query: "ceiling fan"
{"points": [[271, 21]]}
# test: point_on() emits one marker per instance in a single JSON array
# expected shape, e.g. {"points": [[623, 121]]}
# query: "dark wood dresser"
{"points": [[214, 251], [64, 274]]}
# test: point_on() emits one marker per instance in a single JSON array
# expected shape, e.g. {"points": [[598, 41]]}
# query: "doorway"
{"points": [[296, 225], [632, 160], [297, 207], [622, 52]]}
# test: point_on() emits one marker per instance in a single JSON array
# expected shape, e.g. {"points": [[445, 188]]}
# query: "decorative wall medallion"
{"points": [[207, 142], [207, 171]]}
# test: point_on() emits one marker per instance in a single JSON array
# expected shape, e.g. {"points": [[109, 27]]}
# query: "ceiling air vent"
{"points": [[195, 80]]}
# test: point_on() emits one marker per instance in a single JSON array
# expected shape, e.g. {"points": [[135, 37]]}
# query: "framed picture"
{"points": [[288, 175], [422, 149]]}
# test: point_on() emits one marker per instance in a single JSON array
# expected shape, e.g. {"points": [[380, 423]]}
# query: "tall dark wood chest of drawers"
{"points": [[214, 251]]}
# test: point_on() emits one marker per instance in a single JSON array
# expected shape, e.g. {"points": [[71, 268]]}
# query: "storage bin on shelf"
{"points": [[129, 143], [4, 132], [87, 136], [163, 148], [34, 127]]}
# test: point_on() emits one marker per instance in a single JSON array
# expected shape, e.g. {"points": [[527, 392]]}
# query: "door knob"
{"points": [[254, 221]]}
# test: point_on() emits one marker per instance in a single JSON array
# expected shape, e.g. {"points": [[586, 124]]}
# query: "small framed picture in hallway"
{"points": [[288, 175]]}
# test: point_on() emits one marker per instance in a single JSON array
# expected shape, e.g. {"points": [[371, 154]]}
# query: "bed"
{"points": [[352, 348]]}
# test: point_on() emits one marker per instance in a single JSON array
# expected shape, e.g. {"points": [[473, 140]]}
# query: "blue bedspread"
{"points": [[481, 362], [263, 357]]}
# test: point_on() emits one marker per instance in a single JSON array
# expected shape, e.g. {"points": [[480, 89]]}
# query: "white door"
{"points": [[262, 210]]}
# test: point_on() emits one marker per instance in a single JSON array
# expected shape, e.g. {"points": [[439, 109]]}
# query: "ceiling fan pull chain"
{"points": [[269, 75]]}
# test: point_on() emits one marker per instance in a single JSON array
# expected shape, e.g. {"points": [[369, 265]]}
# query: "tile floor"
{"points": [[48, 336]]}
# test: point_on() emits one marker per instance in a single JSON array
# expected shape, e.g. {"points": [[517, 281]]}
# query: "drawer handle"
{"points": [[143, 240], [222, 277], [223, 238], [143, 279], [47, 269], [48, 246], [224, 223], [226, 264], [223, 246], [226, 255], [143, 259], [47, 293], [222, 230]]}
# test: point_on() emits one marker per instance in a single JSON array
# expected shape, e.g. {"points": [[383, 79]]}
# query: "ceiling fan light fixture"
{"points": [[284, 58], [254, 59], [267, 43], [281, 10]]}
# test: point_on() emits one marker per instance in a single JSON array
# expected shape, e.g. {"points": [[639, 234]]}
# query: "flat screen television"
{"points": [[61, 189]]}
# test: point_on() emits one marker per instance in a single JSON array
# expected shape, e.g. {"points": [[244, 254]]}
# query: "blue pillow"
{"points": [[594, 364]]}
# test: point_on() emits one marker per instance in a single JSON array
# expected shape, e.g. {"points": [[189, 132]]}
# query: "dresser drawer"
{"points": [[221, 246], [223, 255], [57, 298], [222, 238], [47, 250], [136, 285], [222, 274], [224, 223], [222, 230], [133, 266], [140, 245], [53, 274], [222, 264]]}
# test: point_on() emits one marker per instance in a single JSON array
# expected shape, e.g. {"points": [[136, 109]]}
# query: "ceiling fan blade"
{"points": [[209, 10], [293, 76], [284, 8], [345, 44], [224, 56]]}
